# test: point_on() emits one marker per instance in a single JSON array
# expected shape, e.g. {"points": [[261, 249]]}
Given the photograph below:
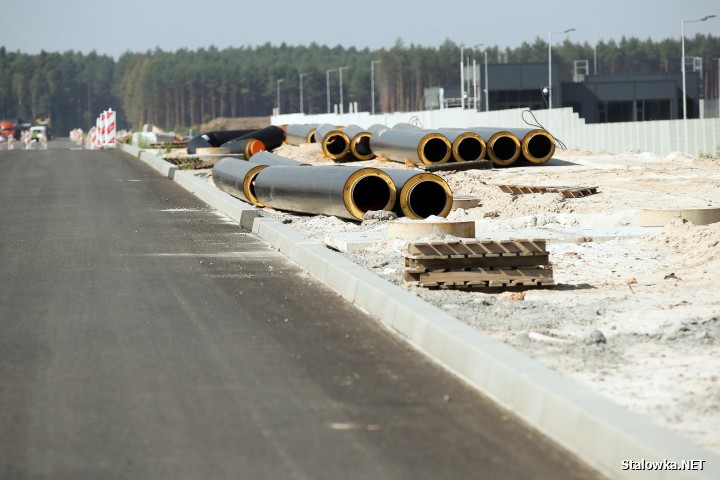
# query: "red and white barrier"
{"points": [[104, 133], [110, 128], [11, 142]]}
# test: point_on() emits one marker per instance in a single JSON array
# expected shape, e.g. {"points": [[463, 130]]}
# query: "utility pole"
{"points": [[327, 85], [341, 90]]}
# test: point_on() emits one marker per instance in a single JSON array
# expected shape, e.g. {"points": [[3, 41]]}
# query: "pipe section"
{"points": [[334, 142], [414, 146], [273, 160], [503, 148], [420, 195], [246, 147], [537, 145], [466, 146], [299, 134], [215, 139], [359, 142], [271, 136], [237, 178], [342, 191]]}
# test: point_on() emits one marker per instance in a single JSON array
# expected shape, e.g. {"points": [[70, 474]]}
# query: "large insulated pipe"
{"points": [[271, 136], [334, 143], [414, 146], [300, 134], [342, 191], [466, 146], [503, 148], [273, 160], [246, 147], [420, 195], [237, 178], [537, 145], [359, 142], [215, 139]]}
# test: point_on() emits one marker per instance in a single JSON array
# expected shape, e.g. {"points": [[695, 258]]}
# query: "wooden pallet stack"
{"points": [[479, 264]]}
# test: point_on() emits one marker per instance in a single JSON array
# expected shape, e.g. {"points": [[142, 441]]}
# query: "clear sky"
{"points": [[114, 27]]}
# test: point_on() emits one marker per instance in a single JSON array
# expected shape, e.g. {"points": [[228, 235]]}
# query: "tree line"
{"points": [[177, 90]]}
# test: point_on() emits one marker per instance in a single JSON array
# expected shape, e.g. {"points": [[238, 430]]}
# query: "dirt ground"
{"points": [[635, 313]]}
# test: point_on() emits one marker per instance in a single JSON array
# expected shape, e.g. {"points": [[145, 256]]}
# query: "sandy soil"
{"points": [[635, 314]]}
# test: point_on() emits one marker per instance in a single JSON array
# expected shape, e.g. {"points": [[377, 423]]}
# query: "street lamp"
{"points": [[682, 69], [462, 77], [341, 92], [372, 85], [475, 90], [280, 80], [550, 89], [487, 85], [327, 85], [302, 75]]}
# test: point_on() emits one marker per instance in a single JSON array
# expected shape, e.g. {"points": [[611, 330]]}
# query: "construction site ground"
{"points": [[635, 312]]}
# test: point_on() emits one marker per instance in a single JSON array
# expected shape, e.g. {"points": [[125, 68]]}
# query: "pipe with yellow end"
{"points": [[359, 142], [334, 142], [503, 147], [237, 178], [466, 146], [537, 145], [342, 191], [300, 134], [420, 195], [414, 146]]}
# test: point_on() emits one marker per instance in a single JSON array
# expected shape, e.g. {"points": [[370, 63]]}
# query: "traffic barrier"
{"points": [[109, 139]]}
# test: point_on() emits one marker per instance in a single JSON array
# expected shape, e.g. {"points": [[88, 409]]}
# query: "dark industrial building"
{"points": [[596, 98]]}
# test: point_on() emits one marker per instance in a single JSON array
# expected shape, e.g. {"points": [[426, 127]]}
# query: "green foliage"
{"points": [[186, 87]]}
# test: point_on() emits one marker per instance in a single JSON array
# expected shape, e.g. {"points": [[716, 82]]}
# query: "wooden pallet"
{"points": [[567, 192], [479, 264]]}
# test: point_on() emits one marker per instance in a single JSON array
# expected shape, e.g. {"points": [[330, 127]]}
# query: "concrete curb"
{"points": [[598, 431]]}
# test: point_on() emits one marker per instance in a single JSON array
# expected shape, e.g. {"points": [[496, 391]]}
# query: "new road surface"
{"points": [[145, 336]]}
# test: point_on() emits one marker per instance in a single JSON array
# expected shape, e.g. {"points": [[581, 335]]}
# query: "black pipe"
{"points": [[413, 146], [237, 178], [334, 142], [342, 191], [359, 142], [420, 195], [271, 136], [538, 146], [273, 160], [300, 134], [215, 139], [503, 148]]}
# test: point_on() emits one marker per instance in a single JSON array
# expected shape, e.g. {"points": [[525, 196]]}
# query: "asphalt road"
{"points": [[143, 336]]}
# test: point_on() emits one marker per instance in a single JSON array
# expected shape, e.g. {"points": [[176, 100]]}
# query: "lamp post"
{"points": [[327, 85], [341, 90], [487, 86], [280, 80], [372, 85], [682, 69], [550, 89], [475, 91], [302, 108], [462, 77]]}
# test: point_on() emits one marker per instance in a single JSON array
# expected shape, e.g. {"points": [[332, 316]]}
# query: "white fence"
{"points": [[658, 137]]}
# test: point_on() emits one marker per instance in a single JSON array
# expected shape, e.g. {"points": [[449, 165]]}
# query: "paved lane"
{"points": [[144, 336]]}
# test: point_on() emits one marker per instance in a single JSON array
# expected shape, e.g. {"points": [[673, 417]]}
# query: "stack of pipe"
{"points": [[240, 142], [343, 191]]}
